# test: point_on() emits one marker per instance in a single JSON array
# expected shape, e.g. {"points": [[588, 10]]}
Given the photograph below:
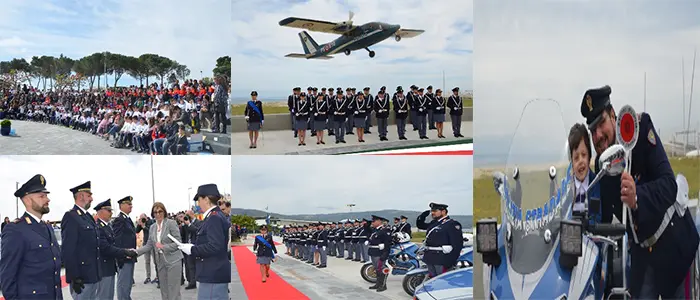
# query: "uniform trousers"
{"points": [[412, 114], [356, 249], [212, 291], [339, 130], [105, 288], [431, 119], [378, 267], [435, 270], [649, 290], [382, 124], [348, 248], [331, 248], [341, 249], [422, 126], [294, 123], [89, 292], [125, 280], [365, 251], [401, 127], [169, 276], [322, 252], [456, 124]]}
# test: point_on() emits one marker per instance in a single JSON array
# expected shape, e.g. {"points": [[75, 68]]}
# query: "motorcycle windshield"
{"points": [[533, 204]]}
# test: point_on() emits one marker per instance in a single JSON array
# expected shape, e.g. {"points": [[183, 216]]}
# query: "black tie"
{"points": [[581, 198]]}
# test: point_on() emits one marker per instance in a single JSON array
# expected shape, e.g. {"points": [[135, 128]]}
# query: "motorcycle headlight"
{"points": [[487, 241], [486, 236], [571, 236], [570, 243]]}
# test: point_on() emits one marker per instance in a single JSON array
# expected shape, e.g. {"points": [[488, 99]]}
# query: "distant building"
{"points": [[277, 222]]}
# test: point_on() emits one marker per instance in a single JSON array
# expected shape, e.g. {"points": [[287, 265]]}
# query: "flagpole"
{"points": [[153, 182], [17, 202]]}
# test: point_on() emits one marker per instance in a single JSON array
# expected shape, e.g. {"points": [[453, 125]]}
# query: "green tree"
{"points": [[223, 67]]}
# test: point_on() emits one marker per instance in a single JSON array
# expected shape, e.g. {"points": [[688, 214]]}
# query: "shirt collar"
{"points": [[81, 209], [206, 213], [103, 221], [581, 186], [37, 219]]}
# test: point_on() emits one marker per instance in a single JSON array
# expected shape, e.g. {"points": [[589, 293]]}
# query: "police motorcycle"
{"points": [[403, 257], [416, 277], [550, 251]]}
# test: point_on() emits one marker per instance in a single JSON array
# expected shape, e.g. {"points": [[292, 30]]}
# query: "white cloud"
{"points": [[114, 177], [560, 49], [260, 45], [326, 184], [193, 33]]}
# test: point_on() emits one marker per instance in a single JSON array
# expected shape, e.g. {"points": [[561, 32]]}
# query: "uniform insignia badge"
{"points": [[41, 179], [458, 227], [589, 102], [79, 213], [28, 220], [651, 137]]}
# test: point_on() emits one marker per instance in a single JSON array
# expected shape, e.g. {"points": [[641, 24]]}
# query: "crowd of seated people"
{"points": [[152, 119]]}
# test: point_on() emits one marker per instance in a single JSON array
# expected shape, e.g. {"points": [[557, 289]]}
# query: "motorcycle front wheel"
{"points": [[368, 273], [411, 282]]}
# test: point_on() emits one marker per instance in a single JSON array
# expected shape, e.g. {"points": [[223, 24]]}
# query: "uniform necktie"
{"points": [[580, 198]]}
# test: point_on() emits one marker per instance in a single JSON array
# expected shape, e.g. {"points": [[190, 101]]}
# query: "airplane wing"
{"points": [[316, 25], [409, 33], [307, 56]]}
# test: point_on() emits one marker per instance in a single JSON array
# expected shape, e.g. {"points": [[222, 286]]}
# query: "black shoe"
{"points": [[191, 286], [460, 135], [322, 142], [158, 286], [337, 142], [321, 266], [343, 141], [374, 287], [147, 281], [381, 288], [155, 281]]}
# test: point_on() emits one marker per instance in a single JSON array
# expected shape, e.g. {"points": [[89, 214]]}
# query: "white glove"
{"points": [[297, 114], [315, 114], [438, 108], [381, 246], [420, 109], [186, 248], [366, 243], [446, 249], [247, 117], [324, 248], [356, 112]]}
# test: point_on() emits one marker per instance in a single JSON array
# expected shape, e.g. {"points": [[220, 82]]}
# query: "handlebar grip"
{"points": [[616, 229]]}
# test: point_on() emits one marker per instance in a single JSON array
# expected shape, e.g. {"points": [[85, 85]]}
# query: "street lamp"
{"points": [[189, 197]]}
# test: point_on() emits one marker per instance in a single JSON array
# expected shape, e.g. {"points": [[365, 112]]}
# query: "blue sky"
{"points": [[193, 33], [326, 184], [260, 45], [123, 176], [559, 49]]}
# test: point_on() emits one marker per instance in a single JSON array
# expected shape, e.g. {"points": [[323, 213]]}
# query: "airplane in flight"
{"points": [[352, 37]]}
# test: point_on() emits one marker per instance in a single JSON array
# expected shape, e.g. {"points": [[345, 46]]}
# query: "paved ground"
{"points": [[283, 141], [341, 280], [44, 139]]}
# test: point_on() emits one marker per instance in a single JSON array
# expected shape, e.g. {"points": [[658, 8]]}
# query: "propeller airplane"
{"points": [[352, 37]]}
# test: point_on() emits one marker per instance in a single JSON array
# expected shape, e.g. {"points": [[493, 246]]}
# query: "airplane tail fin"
{"points": [[310, 46]]}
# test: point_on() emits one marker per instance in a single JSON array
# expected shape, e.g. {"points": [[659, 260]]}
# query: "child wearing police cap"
{"points": [[255, 118]]}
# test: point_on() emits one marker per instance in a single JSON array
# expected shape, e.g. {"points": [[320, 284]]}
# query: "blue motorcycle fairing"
{"points": [[456, 284], [419, 270]]}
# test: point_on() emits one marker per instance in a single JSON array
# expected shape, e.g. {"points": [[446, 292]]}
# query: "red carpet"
{"points": [[454, 152], [249, 271], [63, 284]]}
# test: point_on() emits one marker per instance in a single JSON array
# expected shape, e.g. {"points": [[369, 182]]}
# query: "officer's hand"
{"points": [[77, 285], [628, 190], [366, 243], [131, 253], [424, 214]]}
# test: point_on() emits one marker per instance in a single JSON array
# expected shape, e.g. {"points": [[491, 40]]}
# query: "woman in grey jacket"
{"points": [[168, 257]]}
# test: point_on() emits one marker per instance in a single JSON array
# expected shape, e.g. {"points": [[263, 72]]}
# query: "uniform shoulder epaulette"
{"points": [[28, 220], [15, 221]]}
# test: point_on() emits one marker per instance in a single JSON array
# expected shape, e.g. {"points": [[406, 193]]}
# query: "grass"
{"points": [[281, 107], [487, 202], [418, 237]]}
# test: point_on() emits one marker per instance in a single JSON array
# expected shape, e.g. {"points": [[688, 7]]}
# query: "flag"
{"points": [[267, 220], [266, 208]]}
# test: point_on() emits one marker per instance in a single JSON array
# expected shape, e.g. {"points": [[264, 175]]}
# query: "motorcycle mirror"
{"points": [[498, 180], [516, 173], [613, 161], [552, 173]]}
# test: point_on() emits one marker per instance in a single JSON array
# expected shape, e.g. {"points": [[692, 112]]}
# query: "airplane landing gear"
{"points": [[347, 51], [397, 38], [371, 53]]}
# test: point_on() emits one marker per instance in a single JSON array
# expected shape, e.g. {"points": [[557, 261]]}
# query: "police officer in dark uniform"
{"points": [[356, 241], [369, 101], [422, 104], [395, 227], [303, 109], [381, 110], [404, 226], [109, 253], [665, 246], [80, 248], [363, 240], [340, 241], [411, 97], [313, 242], [319, 109], [456, 109], [350, 121], [340, 108], [213, 268], [443, 240], [125, 237], [329, 122], [331, 239], [291, 104], [360, 116], [401, 108], [322, 245], [431, 99], [255, 118], [347, 239], [30, 263], [379, 247]]}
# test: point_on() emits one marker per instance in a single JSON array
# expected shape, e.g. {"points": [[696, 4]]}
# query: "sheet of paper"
{"points": [[172, 238]]}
